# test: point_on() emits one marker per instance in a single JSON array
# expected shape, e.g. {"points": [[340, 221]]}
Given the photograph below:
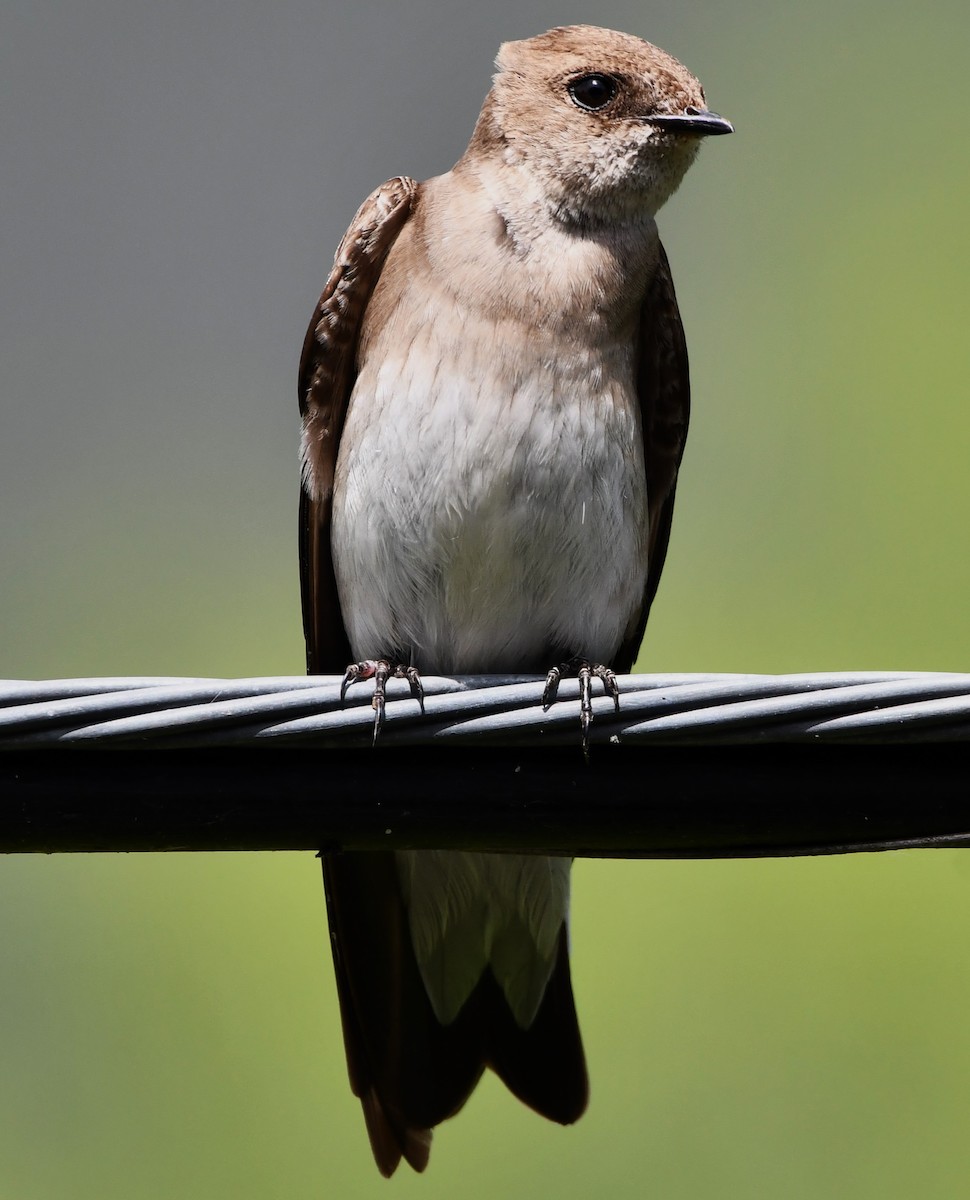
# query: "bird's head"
{"points": [[604, 123]]}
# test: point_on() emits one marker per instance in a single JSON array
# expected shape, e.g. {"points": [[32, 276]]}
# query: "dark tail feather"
{"points": [[409, 1071], [543, 1065], [391, 1139]]}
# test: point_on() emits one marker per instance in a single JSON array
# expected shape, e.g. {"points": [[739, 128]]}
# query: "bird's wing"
{"points": [[663, 384], [328, 369], [363, 901]]}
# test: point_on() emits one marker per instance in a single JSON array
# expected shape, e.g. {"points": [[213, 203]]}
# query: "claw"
{"points": [[381, 670], [585, 676], [551, 690], [610, 686], [585, 672], [377, 702], [414, 682], [358, 670]]}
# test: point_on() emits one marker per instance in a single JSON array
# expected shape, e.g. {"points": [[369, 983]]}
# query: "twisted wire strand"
{"points": [[680, 709]]}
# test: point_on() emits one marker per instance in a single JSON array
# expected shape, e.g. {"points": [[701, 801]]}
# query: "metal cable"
{"points": [[673, 709]]}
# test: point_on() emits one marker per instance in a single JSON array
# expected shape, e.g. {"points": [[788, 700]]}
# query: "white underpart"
{"points": [[485, 531], [470, 911]]}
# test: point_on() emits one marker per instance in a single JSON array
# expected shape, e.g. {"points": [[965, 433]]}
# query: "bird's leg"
{"points": [[381, 670], [585, 672]]}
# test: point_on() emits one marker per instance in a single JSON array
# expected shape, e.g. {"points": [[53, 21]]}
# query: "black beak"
{"points": [[697, 121]]}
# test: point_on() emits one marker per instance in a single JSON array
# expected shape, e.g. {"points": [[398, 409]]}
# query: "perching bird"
{"points": [[495, 397]]}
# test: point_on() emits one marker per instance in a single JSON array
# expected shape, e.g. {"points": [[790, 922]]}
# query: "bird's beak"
{"points": [[697, 121]]}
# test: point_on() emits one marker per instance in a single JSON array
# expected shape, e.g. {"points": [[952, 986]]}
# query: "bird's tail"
{"points": [[410, 1071]]}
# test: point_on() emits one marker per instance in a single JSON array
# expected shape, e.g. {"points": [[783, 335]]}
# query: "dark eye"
{"points": [[594, 91]]}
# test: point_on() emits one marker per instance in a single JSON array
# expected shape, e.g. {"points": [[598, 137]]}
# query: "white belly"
{"points": [[490, 516]]}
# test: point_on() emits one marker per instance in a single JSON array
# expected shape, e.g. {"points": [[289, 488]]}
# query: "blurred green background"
{"points": [[175, 181]]}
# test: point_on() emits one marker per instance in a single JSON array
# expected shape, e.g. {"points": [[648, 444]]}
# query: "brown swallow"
{"points": [[495, 397]]}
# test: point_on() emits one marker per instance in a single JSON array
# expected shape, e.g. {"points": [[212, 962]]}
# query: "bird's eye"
{"points": [[593, 92]]}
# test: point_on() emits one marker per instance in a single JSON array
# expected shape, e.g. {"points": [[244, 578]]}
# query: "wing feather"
{"points": [[663, 384], [328, 369]]}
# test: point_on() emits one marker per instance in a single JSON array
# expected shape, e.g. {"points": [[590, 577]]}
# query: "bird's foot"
{"points": [[585, 672], [381, 670]]}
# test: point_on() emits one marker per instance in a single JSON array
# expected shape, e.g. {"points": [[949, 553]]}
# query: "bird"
{"points": [[494, 396]]}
